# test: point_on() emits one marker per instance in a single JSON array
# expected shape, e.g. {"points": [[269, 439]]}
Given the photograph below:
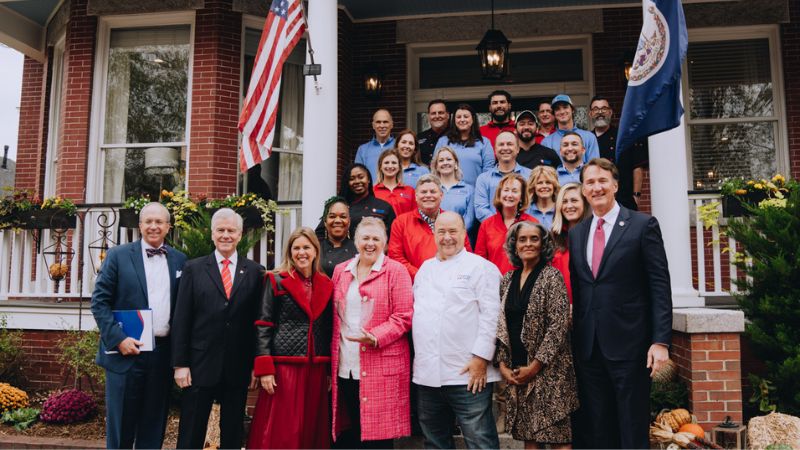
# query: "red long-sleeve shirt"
{"points": [[492, 238]]}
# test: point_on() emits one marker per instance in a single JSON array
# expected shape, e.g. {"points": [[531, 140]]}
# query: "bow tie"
{"points": [[156, 251]]}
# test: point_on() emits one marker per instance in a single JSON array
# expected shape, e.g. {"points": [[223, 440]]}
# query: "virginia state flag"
{"points": [[652, 101]]}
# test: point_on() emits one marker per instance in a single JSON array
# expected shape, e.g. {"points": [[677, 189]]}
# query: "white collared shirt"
{"points": [[610, 218], [456, 306], [232, 267], [351, 321], [159, 289]]}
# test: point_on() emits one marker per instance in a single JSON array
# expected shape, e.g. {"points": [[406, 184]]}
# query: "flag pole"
{"points": [[308, 43]]}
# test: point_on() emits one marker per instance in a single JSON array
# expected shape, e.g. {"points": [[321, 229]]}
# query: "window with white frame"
{"points": [[280, 176], [144, 123], [540, 68], [734, 108], [54, 118]]}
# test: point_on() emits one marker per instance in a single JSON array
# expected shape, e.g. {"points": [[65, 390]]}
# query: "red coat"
{"points": [[385, 377], [561, 262], [492, 239], [412, 242], [402, 198]]}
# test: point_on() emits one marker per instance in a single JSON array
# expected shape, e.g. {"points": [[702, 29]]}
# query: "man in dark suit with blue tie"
{"points": [[213, 335], [622, 319], [140, 275]]}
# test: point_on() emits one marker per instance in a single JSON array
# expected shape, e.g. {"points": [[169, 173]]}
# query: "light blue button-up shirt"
{"points": [[486, 186], [545, 218], [369, 152], [565, 176], [473, 160], [589, 142], [459, 198], [412, 173]]}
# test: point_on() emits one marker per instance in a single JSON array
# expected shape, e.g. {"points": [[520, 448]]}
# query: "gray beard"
{"points": [[601, 122]]}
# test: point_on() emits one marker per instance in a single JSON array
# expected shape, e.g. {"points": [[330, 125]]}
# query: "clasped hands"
{"points": [[521, 375]]}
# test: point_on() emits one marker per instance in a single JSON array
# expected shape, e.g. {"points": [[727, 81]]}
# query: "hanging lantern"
{"points": [[493, 53], [98, 249]]}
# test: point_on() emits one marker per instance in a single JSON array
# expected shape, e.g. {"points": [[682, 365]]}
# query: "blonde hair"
{"points": [[287, 265], [559, 223], [549, 174], [371, 222], [385, 154], [435, 165], [523, 200]]}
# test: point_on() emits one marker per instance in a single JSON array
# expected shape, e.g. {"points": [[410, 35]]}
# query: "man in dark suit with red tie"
{"points": [[213, 335], [622, 319]]}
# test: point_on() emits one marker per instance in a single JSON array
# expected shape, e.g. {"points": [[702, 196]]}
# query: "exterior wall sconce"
{"points": [[373, 83], [627, 63], [493, 52]]}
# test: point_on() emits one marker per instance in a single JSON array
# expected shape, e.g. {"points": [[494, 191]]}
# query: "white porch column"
{"points": [[320, 121], [669, 185]]}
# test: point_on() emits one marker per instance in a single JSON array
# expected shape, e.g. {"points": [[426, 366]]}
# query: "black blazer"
{"points": [[629, 306], [212, 336]]}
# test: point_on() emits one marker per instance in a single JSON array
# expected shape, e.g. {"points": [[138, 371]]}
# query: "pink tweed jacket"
{"points": [[385, 370]]}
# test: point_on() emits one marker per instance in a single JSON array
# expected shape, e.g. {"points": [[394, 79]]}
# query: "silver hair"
{"points": [[227, 213], [154, 205], [546, 254], [372, 222], [429, 178]]}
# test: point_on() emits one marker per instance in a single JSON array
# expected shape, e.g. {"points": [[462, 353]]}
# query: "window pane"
{"points": [[283, 173], [143, 171], [730, 79], [529, 67], [148, 73], [732, 150]]}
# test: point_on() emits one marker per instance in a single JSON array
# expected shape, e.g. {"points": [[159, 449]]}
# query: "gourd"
{"points": [[693, 428], [675, 418]]}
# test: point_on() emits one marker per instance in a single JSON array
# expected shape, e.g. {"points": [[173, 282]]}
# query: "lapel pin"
{"points": [[241, 271], [622, 223]]}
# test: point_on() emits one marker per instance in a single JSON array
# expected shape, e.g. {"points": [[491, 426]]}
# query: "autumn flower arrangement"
{"points": [[67, 407], [762, 193]]}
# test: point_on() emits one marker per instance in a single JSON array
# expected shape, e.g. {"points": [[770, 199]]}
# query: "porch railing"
{"points": [[24, 266], [712, 250]]}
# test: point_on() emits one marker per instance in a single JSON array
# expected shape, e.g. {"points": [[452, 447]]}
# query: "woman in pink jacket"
{"points": [[370, 356]]}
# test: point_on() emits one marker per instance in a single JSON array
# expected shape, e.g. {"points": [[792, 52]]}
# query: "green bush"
{"points": [[20, 418], [668, 395], [770, 297], [11, 354], [78, 350]]}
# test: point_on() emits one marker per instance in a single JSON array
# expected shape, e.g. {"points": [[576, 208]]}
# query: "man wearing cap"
{"points": [[369, 152], [564, 111], [486, 185], [632, 161], [500, 109], [439, 119], [532, 154]]}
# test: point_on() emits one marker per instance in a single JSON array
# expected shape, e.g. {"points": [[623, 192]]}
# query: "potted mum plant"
{"points": [[50, 213], [740, 196]]}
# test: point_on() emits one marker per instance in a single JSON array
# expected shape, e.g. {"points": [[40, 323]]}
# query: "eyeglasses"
{"points": [[545, 111], [604, 109]]}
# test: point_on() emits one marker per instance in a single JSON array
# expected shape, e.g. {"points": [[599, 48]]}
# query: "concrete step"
{"points": [[415, 442]]}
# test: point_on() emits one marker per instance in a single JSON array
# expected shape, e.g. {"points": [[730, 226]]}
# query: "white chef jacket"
{"points": [[456, 306]]}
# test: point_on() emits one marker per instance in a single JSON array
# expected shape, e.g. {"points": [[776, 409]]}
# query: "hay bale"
{"points": [[774, 428]]}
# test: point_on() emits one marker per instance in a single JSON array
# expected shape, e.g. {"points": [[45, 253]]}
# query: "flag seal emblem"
{"points": [[652, 48]]}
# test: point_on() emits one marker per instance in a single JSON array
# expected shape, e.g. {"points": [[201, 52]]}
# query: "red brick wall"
{"points": [[213, 140], [710, 365], [29, 154], [41, 368], [790, 47], [76, 102]]}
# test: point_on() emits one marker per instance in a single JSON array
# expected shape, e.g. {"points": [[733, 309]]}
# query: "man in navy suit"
{"points": [[622, 320], [140, 275], [213, 335]]}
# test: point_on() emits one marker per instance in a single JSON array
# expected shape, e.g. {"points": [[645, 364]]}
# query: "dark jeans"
{"points": [[348, 392], [137, 401], [196, 407], [438, 409]]}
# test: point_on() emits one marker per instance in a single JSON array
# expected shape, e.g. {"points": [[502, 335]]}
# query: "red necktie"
{"points": [[227, 282], [598, 245]]}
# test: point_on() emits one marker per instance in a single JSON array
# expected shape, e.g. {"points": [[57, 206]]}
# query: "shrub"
{"points": [[67, 407], [20, 418], [12, 398], [770, 292], [10, 353], [77, 352]]}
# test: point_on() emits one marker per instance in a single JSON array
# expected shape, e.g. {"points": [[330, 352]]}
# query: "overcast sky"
{"points": [[10, 87]]}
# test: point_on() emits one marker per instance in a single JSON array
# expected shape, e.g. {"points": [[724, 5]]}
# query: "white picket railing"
{"points": [[24, 270], [716, 278]]}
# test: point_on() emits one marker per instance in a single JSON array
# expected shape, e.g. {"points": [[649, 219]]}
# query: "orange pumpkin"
{"points": [[693, 428]]}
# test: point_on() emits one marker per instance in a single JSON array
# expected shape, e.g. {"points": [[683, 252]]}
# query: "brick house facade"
{"points": [[215, 95]]}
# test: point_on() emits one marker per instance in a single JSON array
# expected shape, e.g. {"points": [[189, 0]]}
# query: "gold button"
{"points": [[363, 349]]}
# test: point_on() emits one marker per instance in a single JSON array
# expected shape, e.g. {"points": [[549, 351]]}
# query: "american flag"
{"points": [[283, 29]]}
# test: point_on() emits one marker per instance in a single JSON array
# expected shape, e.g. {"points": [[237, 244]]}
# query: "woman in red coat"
{"points": [[293, 343], [511, 201], [571, 208], [370, 355], [390, 187]]}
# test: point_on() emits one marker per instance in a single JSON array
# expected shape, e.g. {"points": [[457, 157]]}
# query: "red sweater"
{"points": [[412, 241], [561, 262], [402, 198], [492, 238]]}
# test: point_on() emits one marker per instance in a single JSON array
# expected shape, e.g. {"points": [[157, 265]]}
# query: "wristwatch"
{"points": [[637, 194]]}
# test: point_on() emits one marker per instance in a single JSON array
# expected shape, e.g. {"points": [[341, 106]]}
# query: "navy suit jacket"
{"points": [[628, 307], [122, 285]]}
